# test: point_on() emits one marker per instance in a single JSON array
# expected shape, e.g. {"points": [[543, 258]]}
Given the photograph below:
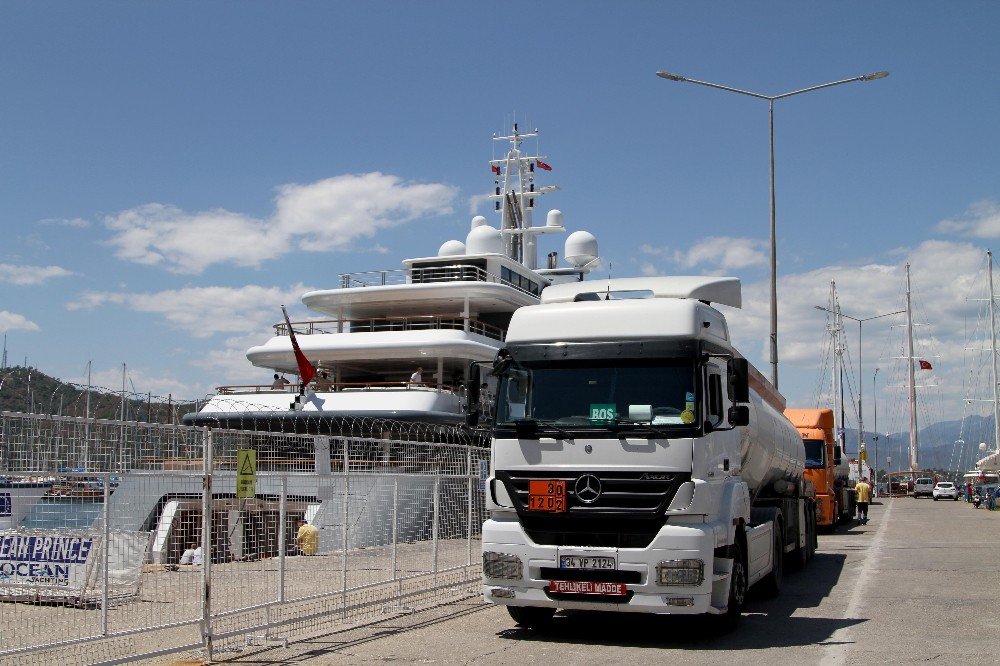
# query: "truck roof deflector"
{"points": [[722, 290]]}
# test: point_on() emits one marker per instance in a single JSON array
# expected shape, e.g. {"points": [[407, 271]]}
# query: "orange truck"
{"points": [[825, 466]]}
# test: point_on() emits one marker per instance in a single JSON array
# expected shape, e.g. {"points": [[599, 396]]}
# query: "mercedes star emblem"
{"points": [[587, 488]]}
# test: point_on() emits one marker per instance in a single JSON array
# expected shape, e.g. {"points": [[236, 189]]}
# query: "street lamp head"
{"points": [[875, 75], [671, 77]]}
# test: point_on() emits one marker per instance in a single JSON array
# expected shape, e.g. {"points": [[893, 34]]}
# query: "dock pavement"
{"points": [[919, 582]]}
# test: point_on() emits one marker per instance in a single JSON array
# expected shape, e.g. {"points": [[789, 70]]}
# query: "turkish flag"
{"points": [[306, 370], [543, 165], [925, 365], [495, 169]]}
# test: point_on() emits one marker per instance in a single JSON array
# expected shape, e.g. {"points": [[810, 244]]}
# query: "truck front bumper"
{"points": [[528, 583]]}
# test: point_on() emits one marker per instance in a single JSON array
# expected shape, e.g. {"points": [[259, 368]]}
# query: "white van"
{"points": [[923, 486]]}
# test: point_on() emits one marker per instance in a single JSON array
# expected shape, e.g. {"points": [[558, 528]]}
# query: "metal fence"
{"points": [[130, 540]]}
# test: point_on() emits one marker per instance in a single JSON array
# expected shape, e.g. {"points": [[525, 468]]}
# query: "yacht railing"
{"points": [[337, 387], [383, 324], [458, 273]]}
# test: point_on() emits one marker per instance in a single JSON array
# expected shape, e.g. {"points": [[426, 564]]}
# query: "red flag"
{"points": [[925, 365], [495, 169], [306, 371], [543, 165]]}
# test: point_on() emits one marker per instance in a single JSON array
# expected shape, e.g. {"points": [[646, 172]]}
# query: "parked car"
{"points": [[924, 485], [945, 490]]}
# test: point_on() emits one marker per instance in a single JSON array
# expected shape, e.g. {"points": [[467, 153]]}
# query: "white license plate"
{"points": [[580, 562]]}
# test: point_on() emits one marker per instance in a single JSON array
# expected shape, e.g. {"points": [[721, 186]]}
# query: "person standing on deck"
{"points": [[307, 538]]}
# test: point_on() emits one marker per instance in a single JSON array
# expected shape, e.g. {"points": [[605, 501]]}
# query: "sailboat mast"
{"points": [[993, 350], [910, 376]]}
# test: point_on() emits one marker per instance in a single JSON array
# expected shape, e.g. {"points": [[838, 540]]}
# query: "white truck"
{"points": [[638, 463]]}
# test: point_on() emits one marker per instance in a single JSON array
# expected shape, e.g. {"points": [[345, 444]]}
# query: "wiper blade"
{"points": [[546, 427], [639, 426]]}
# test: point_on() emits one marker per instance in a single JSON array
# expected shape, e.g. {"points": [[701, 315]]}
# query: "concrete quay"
{"points": [[919, 582]]}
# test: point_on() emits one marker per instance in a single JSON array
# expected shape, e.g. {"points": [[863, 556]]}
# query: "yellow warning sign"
{"points": [[246, 473]]}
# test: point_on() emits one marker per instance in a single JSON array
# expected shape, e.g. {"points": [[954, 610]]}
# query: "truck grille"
{"points": [[627, 513], [636, 494]]}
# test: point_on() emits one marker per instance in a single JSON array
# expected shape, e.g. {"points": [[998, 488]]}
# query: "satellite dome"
{"points": [[484, 240], [478, 221], [554, 218], [581, 248], [452, 248]]}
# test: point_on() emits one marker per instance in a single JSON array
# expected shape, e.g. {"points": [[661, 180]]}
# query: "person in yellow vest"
{"points": [[864, 495], [307, 538]]}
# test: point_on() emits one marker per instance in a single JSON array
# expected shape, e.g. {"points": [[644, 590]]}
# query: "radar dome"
{"points": [[581, 248], [452, 248], [554, 218], [484, 240], [478, 221]]}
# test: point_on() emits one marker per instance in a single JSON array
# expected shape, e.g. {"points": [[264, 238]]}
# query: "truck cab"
{"points": [[626, 453]]}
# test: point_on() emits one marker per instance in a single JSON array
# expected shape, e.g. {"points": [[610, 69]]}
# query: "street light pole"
{"points": [[875, 426], [860, 321], [773, 344]]}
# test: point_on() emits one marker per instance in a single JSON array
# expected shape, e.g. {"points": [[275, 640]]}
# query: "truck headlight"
{"points": [[501, 565], [680, 572]]}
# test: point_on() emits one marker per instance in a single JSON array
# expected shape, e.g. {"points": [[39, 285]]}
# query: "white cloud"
{"points": [[204, 311], [11, 321], [982, 220], [646, 248], [140, 381], [76, 222], [477, 200], [155, 234], [28, 275], [326, 215], [724, 253], [944, 277]]}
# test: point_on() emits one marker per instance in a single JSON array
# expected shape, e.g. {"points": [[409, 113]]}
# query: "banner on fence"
{"points": [[68, 563]]}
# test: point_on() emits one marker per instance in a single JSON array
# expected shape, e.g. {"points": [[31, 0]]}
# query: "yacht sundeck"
{"points": [[437, 313]]}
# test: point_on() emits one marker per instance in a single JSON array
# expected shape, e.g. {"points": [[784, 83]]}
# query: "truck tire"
{"points": [[729, 620], [533, 617], [770, 585]]}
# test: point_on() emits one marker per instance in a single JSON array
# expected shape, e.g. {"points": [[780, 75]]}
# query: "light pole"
{"points": [[860, 320], [774, 266], [875, 426]]}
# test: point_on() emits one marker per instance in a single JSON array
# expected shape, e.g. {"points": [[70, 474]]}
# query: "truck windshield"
{"points": [[589, 393], [815, 453]]}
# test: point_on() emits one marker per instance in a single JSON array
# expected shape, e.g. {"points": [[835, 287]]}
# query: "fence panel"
{"points": [[111, 532]]}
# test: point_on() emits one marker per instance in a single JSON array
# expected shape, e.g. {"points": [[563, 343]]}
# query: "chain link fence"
{"points": [[124, 540]]}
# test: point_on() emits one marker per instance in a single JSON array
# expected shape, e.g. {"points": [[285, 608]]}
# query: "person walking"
{"points": [[863, 491]]}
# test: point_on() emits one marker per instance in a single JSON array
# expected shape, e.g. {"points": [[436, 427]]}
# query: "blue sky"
{"points": [[171, 172]]}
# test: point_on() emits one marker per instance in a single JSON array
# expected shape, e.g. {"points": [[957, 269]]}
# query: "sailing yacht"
{"points": [[987, 469], [378, 331]]}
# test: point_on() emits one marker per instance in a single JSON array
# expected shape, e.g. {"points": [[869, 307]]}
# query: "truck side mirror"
{"points": [[837, 455], [739, 379], [472, 396], [739, 415]]}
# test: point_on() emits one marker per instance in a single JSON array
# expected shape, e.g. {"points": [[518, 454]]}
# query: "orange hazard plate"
{"points": [[586, 587], [546, 495]]}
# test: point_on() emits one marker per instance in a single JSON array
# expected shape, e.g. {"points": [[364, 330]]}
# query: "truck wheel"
{"points": [[728, 621], [770, 585], [533, 617]]}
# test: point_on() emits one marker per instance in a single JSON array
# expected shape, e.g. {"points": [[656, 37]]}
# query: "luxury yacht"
{"points": [[396, 344]]}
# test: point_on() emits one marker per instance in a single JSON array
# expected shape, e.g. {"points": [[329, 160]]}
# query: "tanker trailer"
{"points": [[639, 463]]}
